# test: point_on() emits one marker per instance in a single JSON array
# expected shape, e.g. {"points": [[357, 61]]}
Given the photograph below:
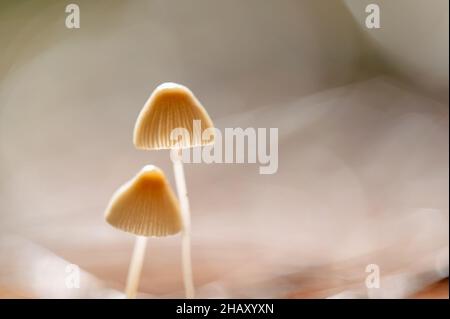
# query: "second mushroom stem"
{"points": [[186, 234], [134, 272]]}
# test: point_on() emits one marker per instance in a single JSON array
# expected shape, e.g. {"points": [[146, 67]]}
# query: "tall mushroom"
{"points": [[146, 207], [172, 107]]}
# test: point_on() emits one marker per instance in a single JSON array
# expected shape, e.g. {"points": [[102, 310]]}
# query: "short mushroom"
{"points": [[146, 207]]}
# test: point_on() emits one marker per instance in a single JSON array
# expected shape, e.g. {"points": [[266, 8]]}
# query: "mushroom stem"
{"points": [[186, 233], [134, 272]]}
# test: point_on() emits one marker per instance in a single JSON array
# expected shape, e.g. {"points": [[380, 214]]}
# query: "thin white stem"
{"points": [[186, 236], [134, 272]]}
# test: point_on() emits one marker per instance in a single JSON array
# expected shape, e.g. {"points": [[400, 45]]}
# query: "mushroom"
{"points": [[172, 107], [146, 207]]}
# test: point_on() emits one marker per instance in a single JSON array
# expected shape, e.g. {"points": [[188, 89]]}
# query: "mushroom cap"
{"points": [[171, 106], [145, 206]]}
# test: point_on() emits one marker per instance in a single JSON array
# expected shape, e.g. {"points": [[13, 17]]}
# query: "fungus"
{"points": [[146, 207], [173, 107]]}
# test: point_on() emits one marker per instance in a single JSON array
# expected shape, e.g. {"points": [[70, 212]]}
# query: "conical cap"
{"points": [[170, 106], [145, 206]]}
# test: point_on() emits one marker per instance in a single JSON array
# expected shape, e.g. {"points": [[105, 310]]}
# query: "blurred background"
{"points": [[363, 122]]}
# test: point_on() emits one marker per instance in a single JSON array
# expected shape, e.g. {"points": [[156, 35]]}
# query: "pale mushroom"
{"points": [[172, 107], [146, 207]]}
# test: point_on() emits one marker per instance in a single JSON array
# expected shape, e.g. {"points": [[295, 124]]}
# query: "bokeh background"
{"points": [[363, 124]]}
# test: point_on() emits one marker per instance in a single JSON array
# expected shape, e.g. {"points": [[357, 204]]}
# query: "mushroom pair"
{"points": [[146, 206]]}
